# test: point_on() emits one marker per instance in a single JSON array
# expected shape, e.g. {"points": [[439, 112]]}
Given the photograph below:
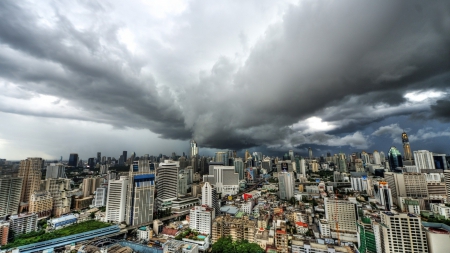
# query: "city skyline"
{"points": [[263, 76]]}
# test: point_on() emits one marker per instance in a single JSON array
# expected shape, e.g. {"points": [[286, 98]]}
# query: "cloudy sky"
{"points": [[147, 76]]}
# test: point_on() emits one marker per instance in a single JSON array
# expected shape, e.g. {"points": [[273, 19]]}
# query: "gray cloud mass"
{"points": [[349, 63]]}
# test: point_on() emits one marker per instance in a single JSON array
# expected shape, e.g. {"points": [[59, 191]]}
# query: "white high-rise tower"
{"points": [[209, 197], [194, 149]]}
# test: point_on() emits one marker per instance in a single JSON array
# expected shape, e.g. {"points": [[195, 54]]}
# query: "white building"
{"points": [[224, 179], [201, 218], [286, 185], [383, 194], [55, 170], [361, 184], [23, 223], [100, 197], [345, 214], [376, 157], [324, 228], [424, 159], [167, 178], [175, 246], [440, 209], [209, 197], [116, 200], [402, 233]]}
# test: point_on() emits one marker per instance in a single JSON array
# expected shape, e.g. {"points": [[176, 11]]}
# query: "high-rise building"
{"points": [[302, 164], [342, 163], [239, 167], [291, 155], [124, 156], [413, 185], [313, 166], [286, 185], [342, 212], [90, 185], [395, 158], [365, 158], [382, 157], [201, 218], [225, 180], [73, 160], [383, 194], [141, 192], [4, 232], [41, 203], [167, 179], [221, 157], [310, 153], [55, 170], [376, 157], [424, 160], [194, 149], [10, 192], [99, 157], [100, 197], [406, 147], [116, 201], [369, 240], [402, 232], [59, 188], [30, 172], [23, 223], [209, 197]]}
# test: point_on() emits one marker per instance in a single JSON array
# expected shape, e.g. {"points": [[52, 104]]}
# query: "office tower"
{"points": [[302, 164], [376, 157], [41, 203], [413, 185], [361, 183], [437, 189], [141, 192], [424, 160], [440, 161], [239, 167], [194, 149], [266, 164], [121, 160], [402, 233], [406, 147], [91, 162], [286, 185], [183, 162], [23, 223], [209, 197], [73, 160], [395, 158], [116, 200], [10, 192], [108, 160], [59, 188], [201, 218], [342, 212], [99, 157], [30, 172], [382, 157], [100, 197], [365, 158], [167, 182], [369, 240], [182, 183], [285, 166], [124, 156], [310, 153], [383, 194], [313, 166], [225, 180], [103, 159], [291, 155], [55, 170], [342, 163], [4, 232], [90, 185], [104, 169], [221, 157]]}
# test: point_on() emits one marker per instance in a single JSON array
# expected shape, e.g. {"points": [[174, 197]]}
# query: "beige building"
{"points": [[41, 203], [90, 185], [413, 185], [30, 172], [281, 236], [314, 166], [402, 233], [343, 212], [10, 192], [59, 188], [237, 228]]}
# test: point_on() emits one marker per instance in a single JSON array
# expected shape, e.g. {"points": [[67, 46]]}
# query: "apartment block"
{"points": [[237, 228], [10, 192], [41, 203]]}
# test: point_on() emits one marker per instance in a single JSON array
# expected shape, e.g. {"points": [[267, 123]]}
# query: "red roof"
{"points": [[301, 224]]}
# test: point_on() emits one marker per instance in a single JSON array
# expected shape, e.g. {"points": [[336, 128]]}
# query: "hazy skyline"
{"points": [[147, 76]]}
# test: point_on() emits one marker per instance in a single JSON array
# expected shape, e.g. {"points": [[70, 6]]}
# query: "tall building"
{"points": [[313, 166], [310, 153], [201, 218], [225, 180], [221, 157], [342, 163], [402, 232], [90, 185], [124, 156], [342, 212], [23, 223], [99, 157], [369, 240], [209, 197], [424, 160], [302, 164], [116, 201], [73, 160], [291, 155], [365, 158], [100, 197], [382, 157], [376, 157], [59, 188], [286, 185], [55, 170], [395, 158], [167, 179], [239, 167], [141, 192], [10, 192], [4, 232], [383, 194], [41, 203], [413, 185], [30, 172], [406, 147], [194, 149]]}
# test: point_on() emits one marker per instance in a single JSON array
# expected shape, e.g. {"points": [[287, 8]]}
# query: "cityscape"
{"points": [[359, 202], [226, 126]]}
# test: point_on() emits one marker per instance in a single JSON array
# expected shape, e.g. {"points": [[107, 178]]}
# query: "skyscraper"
{"points": [[286, 185], [59, 189], [141, 192], [55, 170], [395, 158], [342, 163], [383, 194], [167, 182], [424, 159], [310, 153], [406, 147], [116, 200], [342, 212], [30, 172], [99, 157], [124, 156], [239, 167], [73, 160], [194, 149], [10, 192], [376, 157], [209, 197], [221, 157]]}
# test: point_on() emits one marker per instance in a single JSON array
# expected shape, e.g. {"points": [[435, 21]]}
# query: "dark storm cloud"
{"points": [[441, 110], [347, 62]]}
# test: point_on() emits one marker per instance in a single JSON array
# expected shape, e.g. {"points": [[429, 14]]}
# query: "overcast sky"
{"points": [[147, 76]]}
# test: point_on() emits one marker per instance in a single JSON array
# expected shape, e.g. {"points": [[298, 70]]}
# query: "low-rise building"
{"points": [[4, 232], [62, 221], [175, 246]]}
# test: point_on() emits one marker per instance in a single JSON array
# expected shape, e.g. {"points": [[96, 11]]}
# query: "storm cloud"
{"points": [[229, 74]]}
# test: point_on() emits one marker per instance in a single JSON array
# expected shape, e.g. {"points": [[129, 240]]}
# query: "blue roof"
{"points": [[63, 218]]}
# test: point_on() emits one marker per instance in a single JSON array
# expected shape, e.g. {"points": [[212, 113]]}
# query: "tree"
{"points": [[226, 245]]}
